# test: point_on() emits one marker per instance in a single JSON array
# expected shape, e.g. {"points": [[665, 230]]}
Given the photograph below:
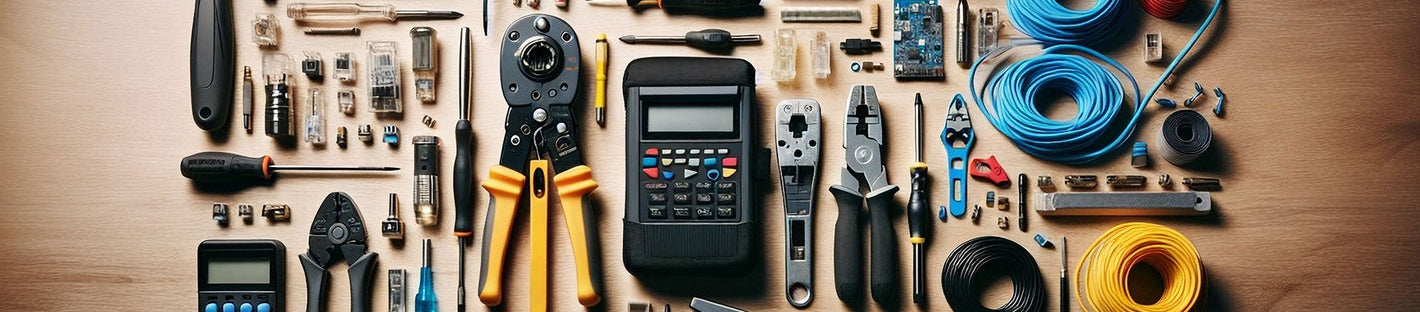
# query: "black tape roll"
{"points": [[991, 253], [1185, 136]]}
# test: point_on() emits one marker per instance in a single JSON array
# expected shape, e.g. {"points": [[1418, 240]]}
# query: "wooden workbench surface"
{"points": [[1316, 154]]}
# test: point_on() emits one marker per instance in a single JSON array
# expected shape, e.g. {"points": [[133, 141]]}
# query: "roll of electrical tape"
{"points": [[1185, 136]]}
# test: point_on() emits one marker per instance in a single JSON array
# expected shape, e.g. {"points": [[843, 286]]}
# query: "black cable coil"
{"points": [[992, 254]]}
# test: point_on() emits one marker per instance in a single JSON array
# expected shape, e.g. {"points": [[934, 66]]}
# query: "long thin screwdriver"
{"points": [[228, 167], [353, 12], [1064, 261], [463, 161], [917, 212]]}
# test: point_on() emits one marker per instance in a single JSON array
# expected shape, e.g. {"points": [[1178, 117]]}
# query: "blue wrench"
{"points": [[957, 129]]}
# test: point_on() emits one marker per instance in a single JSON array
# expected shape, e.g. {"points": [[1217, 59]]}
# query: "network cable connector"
{"points": [[988, 23], [265, 30], [346, 98], [785, 55], [345, 67], [315, 122], [384, 77], [1153, 48], [426, 62], [821, 52]]}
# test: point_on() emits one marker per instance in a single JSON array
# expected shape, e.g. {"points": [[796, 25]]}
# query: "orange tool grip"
{"points": [[505, 187], [537, 220], [572, 188]]}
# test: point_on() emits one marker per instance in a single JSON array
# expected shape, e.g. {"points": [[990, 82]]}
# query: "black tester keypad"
{"points": [[241, 276], [690, 184]]}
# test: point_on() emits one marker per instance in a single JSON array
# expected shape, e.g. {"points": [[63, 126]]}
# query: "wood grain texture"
{"points": [[1316, 153]]}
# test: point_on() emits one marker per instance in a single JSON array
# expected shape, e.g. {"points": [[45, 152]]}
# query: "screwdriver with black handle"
{"points": [[687, 6], [917, 212], [705, 39], [228, 167], [463, 161]]}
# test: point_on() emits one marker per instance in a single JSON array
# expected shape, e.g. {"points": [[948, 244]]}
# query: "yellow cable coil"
{"points": [[1102, 275]]}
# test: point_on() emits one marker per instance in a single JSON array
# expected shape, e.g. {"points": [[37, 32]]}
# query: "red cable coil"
{"points": [[1164, 8]]}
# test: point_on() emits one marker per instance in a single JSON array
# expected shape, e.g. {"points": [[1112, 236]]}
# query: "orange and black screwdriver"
{"points": [[228, 167]]}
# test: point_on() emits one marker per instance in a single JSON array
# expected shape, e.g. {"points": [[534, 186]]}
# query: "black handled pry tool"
{"points": [[463, 161], [705, 39], [228, 167], [863, 142], [213, 63]]}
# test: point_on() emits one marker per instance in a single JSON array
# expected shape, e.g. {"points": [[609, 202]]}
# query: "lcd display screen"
{"points": [[238, 271], [691, 118]]}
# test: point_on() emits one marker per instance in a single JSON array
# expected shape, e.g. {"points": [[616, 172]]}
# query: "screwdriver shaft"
{"points": [[426, 14], [331, 168], [633, 39]]}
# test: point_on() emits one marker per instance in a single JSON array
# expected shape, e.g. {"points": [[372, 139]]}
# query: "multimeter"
{"points": [[241, 276], [692, 152]]}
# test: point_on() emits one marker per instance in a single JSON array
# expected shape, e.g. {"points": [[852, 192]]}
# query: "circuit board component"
{"points": [[917, 40]]}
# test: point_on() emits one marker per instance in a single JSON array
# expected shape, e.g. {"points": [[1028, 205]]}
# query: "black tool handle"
{"points": [[847, 245], [463, 179], [317, 280], [708, 5], [224, 167], [917, 210], [212, 65], [884, 254], [362, 279], [709, 39]]}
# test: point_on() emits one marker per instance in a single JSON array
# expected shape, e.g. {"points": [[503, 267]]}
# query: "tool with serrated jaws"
{"points": [[338, 233], [797, 131], [863, 142], [539, 61], [957, 137]]}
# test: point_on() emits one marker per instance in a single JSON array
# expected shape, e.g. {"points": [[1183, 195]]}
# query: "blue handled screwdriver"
{"points": [[426, 301]]}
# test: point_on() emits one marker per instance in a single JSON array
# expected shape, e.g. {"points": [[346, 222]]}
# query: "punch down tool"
{"points": [[863, 142], [957, 130], [212, 65], [797, 129], [537, 61], [917, 211], [338, 233], [463, 162]]}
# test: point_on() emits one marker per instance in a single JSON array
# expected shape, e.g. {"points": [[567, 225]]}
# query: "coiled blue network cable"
{"points": [[1049, 21], [1098, 92]]}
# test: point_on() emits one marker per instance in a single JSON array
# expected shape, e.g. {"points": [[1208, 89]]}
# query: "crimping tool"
{"points": [[863, 142], [541, 65], [338, 232], [798, 132], [957, 130]]}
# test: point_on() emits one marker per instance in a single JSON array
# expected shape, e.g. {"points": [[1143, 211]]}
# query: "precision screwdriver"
{"points": [[917, 212], [706, 39], [228, 167], [426, 300], [463, 161], [355, 13]]}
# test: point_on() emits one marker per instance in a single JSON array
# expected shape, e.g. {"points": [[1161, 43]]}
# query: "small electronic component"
{"points": [[1165, 180], [1045, 183], [1126, 180], [392, 227], [1003, 203], [1003, 222], [276, 213], [1198, 92], [820, 52], [315, 122], [988, 25], [396, 290], [1166, 102], [219, 213], [990, 199], [391, 135], [1042, 241], [976, 213], [1139, 157], [279, 115], [266, 30], [1203, 184], [340, 138], [363, 132], [245, 211], [917, 40], [248, 98], [785, 55], [426, 179], [859, 46], [1222, 98], [820, 15], [855, 67], [1153, 48], [1081, 181], [868, 66], [313, 66], [345, 67], [426, 62], [346, 98], [384, 77], [428, 121]]}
